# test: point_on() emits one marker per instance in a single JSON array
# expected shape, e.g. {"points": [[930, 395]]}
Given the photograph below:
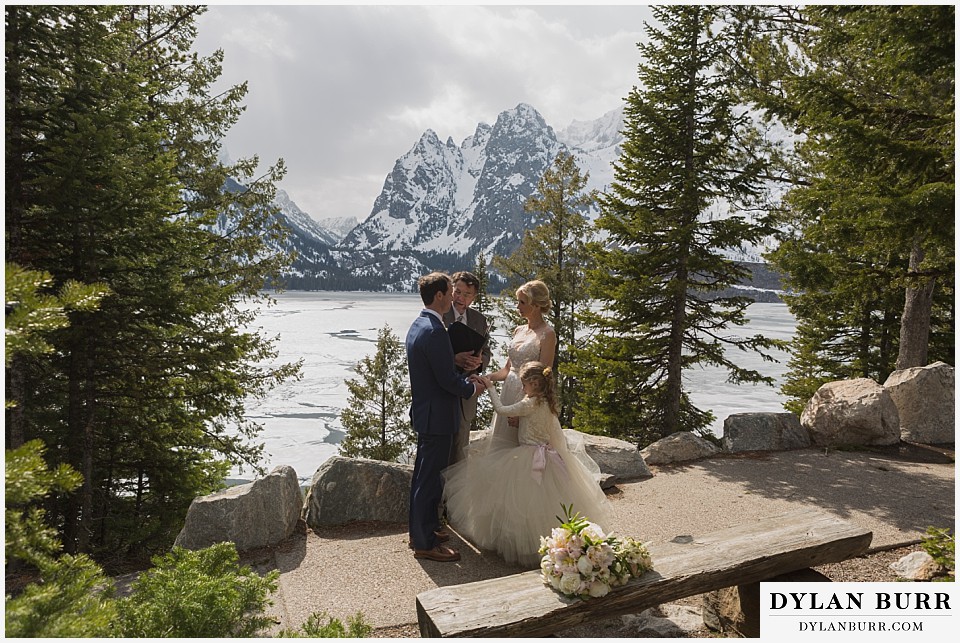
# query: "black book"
{"points": [[463, 338]]}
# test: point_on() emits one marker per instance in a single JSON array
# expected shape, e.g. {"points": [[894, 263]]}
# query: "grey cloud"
{"points": [[341, 91]]}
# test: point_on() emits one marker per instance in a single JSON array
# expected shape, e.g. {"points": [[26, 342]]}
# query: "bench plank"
{"points": [[522, 605]]}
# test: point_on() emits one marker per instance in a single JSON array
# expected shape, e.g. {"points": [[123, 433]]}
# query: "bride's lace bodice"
{"points": [[525, 346]]}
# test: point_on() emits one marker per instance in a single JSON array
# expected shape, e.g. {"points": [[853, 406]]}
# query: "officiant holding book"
{"points": [[475, 359]]}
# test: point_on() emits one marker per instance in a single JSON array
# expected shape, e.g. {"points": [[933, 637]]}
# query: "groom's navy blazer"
{"points": [[435, 384]]}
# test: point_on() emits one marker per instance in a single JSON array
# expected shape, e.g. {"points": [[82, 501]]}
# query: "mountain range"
{"points": [[443, 203]]}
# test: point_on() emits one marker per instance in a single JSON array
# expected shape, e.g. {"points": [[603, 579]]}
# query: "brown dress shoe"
{"points": [[441, 534], [440, 553]]}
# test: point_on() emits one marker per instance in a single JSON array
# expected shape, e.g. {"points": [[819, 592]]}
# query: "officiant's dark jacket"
{"points": [[436, 386], [477, 322]]}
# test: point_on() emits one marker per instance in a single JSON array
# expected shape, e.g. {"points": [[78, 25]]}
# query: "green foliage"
{"points": [[377, 416], [28, 481], [33, 313], [114, 133], [690, 171], [940, 544], [203, 593], [314, 627], [869, 252], [71, 597], [555, 252]]}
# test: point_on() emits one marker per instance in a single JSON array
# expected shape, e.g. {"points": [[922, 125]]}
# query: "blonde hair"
{"points": [[538, 294], [544, 384]]}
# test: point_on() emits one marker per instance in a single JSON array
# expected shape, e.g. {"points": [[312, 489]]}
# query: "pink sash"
{"points": [[540, 453]]}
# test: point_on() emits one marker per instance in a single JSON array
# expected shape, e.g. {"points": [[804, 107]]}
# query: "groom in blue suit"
{"points": [[435, 411]]}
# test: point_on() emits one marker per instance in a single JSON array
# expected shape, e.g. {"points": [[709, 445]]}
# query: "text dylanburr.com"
{"points": [[858, 610]]}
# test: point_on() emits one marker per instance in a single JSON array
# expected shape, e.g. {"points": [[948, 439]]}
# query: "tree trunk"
{"points": [[915, 323], [678, 325]]}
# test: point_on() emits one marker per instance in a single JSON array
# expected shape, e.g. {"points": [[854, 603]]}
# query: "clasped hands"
{"points": [[483, 383]]}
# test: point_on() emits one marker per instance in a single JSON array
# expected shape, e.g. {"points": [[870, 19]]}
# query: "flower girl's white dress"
{"points": [[506, 499]]}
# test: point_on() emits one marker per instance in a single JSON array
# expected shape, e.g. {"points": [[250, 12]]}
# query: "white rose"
{"points": [[594, 531], [585, 565], [598, 589], [570, 583]]}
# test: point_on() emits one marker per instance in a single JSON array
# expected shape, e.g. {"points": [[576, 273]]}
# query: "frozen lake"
{"points": [[332, 331]]}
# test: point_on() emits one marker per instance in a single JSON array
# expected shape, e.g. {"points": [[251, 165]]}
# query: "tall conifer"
{"points": [[869, 250], [555, 252], [670, 217], [116, 144]]}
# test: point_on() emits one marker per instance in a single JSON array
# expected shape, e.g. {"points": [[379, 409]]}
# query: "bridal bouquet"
{"points": [[578, 559]]}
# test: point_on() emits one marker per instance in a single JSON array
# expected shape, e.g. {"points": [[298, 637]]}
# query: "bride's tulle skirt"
{"points": [[506, 499]]}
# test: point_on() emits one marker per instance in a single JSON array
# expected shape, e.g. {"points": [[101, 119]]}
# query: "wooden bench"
{"points": [[522, 605]]}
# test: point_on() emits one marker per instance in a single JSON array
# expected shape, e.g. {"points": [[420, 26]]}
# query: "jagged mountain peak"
{"points": [[457, 200], [523, 121]]}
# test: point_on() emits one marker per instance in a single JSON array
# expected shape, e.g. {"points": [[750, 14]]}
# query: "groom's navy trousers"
{"points": [[436, 389]]}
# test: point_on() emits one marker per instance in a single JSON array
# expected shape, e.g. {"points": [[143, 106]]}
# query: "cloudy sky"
{"points": [[340, 92]]}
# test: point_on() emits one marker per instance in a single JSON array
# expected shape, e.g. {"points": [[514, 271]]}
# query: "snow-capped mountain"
{"points": [[454, 199], [442, 203]]}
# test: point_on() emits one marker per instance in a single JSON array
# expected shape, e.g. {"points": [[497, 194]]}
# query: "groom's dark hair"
{"points": [[431, 284]]}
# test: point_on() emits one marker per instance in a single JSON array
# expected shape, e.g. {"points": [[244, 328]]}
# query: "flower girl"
{"points": [[505, 500]]}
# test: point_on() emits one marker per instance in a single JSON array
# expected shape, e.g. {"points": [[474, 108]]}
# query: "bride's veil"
{"points": [[571, 445]]}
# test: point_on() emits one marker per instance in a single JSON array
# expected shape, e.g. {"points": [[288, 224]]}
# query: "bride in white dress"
{"points": [[506, 499], [535, 341]]}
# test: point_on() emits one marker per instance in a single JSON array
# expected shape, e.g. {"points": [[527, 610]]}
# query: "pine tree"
{"points": [[870, 252], [554, 252], [685, 159], [377, 417], [144, 396]]}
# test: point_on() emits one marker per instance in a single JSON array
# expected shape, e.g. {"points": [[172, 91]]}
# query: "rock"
{"points": [[737, 609], [681, 446], [916, 566], [924, 397], [852, 412], [614, 457], [261, 513], [349, 489], [763, 432], [663, 621]]}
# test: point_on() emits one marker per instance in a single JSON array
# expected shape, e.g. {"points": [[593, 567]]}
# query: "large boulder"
{"points": [[852, 412], [261, 513], [354, 489], [616, 458], [924, 397], [763, 432], [679, 447]]}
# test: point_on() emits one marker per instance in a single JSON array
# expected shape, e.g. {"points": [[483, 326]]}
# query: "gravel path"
{"points": [[895, 493]]}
